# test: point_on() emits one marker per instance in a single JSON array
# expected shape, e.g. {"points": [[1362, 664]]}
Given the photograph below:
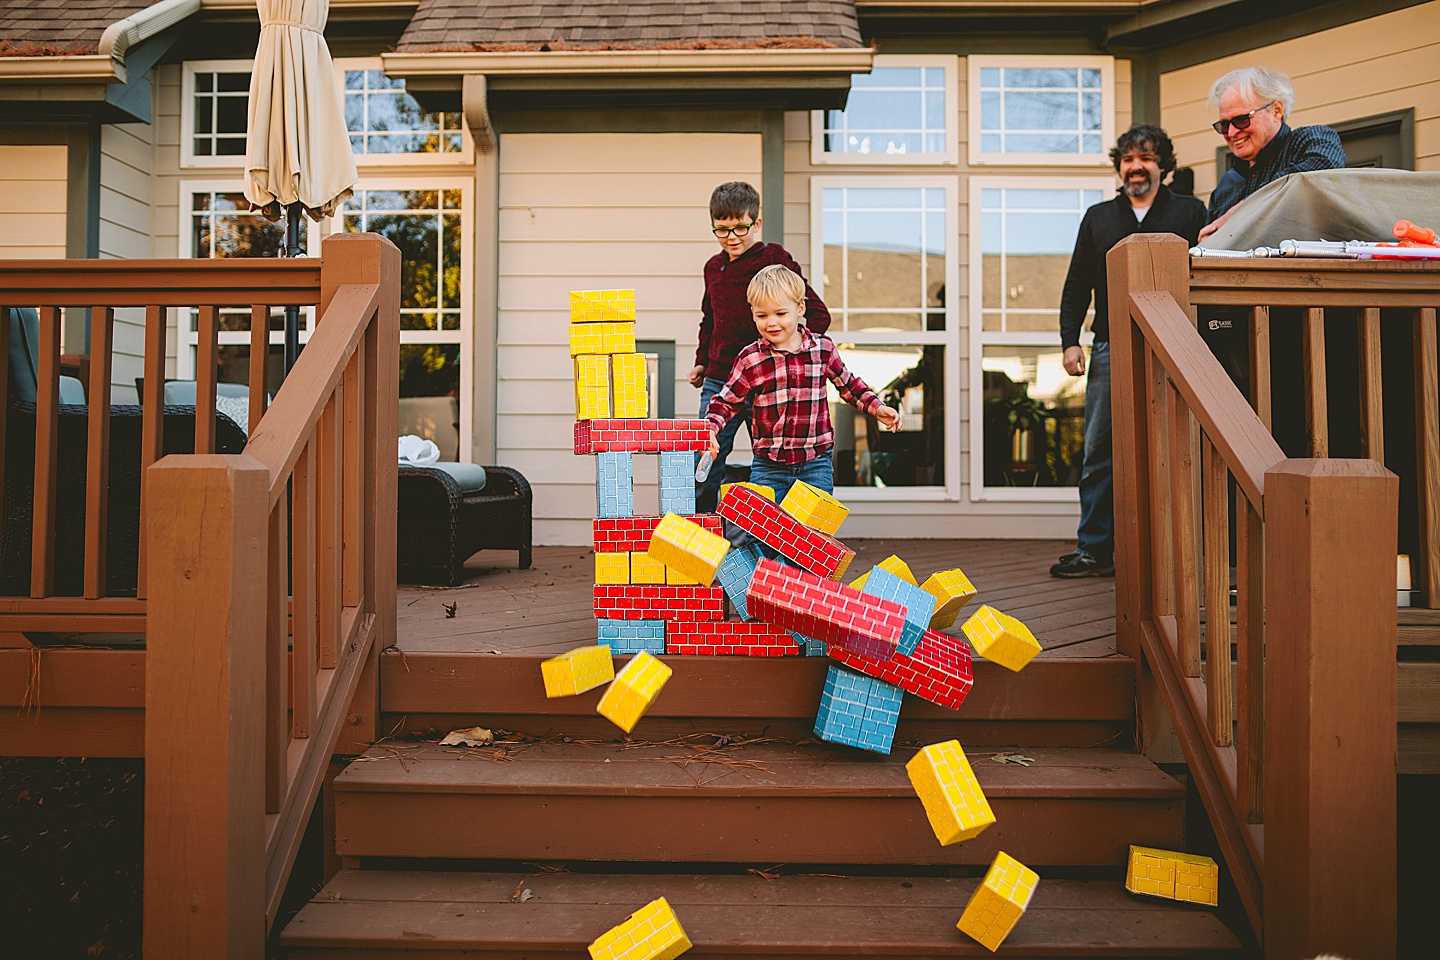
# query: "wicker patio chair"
{"points": [[441, 526]]}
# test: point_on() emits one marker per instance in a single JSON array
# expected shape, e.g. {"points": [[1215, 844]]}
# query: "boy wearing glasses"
{"points": [[782, 377], [726, 326]]}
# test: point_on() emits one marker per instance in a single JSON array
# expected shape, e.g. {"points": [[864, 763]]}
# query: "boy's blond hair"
{"points": [[774, 283]]}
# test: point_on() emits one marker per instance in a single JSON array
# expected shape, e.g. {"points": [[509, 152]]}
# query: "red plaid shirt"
{"points": [[790, 413]]}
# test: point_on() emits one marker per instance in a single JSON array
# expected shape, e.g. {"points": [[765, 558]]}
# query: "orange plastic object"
{"points": [[1405, 230]]}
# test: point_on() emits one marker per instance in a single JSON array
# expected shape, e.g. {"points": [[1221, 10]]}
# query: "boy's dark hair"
{"points": [[1145, 136], [735, 200]]}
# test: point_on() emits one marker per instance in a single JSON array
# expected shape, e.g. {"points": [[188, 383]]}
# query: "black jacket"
{"points": [[1103, 226]]}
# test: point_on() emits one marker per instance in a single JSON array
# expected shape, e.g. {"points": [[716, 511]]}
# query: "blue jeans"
{"points": [[818, 472], [707, 491], [1096, 536]]}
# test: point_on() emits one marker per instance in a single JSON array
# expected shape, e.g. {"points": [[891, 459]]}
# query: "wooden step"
{"points": [[746, 803], [1056, 702], [374, 913]]}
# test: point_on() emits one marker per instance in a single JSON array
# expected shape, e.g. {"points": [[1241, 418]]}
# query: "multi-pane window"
{"points": [[213, 112], [1041, 110], [1027, 414], [885, 255], [901, 112], [384, 119]]}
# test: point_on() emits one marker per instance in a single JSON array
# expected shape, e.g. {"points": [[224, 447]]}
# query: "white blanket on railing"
{"points": [[418, 450]]}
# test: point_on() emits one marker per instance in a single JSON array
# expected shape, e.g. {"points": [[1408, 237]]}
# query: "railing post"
{"points": [[1145, 261], [204, 884], [1330, 753]]}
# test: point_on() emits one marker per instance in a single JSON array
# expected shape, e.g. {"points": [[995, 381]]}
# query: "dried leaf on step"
{"points": [[524, 895], [450, 609], [472, 737], [1019, 758]]}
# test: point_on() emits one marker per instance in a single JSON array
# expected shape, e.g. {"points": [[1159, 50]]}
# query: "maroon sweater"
{"points": [[726, 325]]}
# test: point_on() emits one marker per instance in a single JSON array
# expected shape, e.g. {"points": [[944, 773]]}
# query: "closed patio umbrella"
{"points": [[297, 153]]}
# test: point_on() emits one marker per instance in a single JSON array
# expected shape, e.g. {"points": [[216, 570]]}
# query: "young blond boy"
{"points": [[782, 375]]}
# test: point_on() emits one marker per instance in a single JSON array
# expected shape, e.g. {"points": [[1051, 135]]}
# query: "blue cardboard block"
{"points": [[919, 604], [677, 481], [632, 636], [809, 646], [858, 711], [614, 484], [735, 572]]}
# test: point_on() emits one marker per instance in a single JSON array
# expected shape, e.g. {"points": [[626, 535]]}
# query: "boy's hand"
{"points": [[714, 447], [889, 418], [697, 376]]}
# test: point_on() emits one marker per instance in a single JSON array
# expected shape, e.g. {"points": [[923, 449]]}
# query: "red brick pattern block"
{"points": [[652, 436], [632, 534], [843, 616], [658, 601], [765, 521], [748, 638], [939, 670]]}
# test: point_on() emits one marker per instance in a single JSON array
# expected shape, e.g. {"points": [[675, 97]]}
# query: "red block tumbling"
{"points": [[840, 615], [595, 436], [939, 670], [655, 601], [765, 521], [749, 638], [632, 534]]}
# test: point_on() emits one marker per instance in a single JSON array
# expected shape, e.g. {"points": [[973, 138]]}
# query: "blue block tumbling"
{"points": [[858, 711], [614, 484], [677, 481], [809, 646], [735, 572], [918, 604], [632, 636]]}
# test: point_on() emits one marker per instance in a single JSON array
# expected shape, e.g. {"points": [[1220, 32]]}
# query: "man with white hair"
{"points": [[1253, 105]]}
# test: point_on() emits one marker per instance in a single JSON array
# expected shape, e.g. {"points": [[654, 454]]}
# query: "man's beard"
{"points": [[1138, 188]]}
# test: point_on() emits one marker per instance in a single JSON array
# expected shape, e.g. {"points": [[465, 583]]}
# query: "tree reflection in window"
{"points": [[383, 118]]}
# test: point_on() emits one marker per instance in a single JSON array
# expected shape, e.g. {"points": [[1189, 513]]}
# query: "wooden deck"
{"points": [[548, 609]]}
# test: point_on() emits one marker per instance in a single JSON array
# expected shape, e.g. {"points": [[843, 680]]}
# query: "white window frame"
{"points": [[819, 156], [949, 337], [465, 157], [394, 180], [1106, 66], [188, 70], [980, 338]]}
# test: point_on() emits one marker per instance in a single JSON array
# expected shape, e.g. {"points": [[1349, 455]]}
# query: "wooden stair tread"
{"points": [[804, 770], [736, 915]]}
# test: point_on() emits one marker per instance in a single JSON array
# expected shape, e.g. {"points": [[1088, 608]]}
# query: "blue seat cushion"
{"points": [[469, 476]]}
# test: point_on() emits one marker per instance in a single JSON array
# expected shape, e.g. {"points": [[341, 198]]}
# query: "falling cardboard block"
{"points": [[891, 563], [633, 691], [1000, 638], [946, 785], [583, 668], [999, 901], [651, 933], [815, 508], [1174, 876], [951, 588], [688, 549]]}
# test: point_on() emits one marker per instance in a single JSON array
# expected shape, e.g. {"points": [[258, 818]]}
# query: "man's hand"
{"points": [[1210, 228], [1074, 361], [697, 376], [889, 418]]}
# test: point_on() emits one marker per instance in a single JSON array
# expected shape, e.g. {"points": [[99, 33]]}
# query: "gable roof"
{"points": [[38, 28], [464, 25]]}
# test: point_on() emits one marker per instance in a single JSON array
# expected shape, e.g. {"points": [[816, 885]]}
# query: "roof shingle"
{"points": [[30, 28]]}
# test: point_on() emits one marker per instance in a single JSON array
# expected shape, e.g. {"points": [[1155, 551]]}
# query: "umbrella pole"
{"points": [[292, 312]]}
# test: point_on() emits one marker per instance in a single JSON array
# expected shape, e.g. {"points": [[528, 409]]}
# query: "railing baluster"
{"points": [[302, 614], [1427, 442], [277, 657], [328, 488], [1260, 363], [1317, 408], [207, 359], [97, 459], [1182, 498], [152, 423], [1162, 558], [47, 449], [1372, 396], [259, 357], [1250, 658], [1221, 711], [4, 388], [352, 455]]}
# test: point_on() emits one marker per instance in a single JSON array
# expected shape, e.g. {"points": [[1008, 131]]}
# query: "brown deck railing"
{"points": [[268, 581], [1292, 746]]}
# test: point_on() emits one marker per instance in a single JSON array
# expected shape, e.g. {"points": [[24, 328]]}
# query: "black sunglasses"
{"points": [[1240, 121]]}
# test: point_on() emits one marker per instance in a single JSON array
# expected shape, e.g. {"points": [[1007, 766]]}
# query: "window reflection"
{"points": [[1027, 236], [1040, 110], [884, 266], [1034, 418], [383, 118], [910, 378], [891, 110]]}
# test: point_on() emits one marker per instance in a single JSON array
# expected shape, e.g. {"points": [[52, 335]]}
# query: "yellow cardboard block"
{"points": [[632, 398], [946, 784], [592, 387], [583, 668], [651, 933], [951, 589], [1001, 638], [606, 337], [815, 508], [645, 568], [767, 492], [590, 306], [891, 564], [688, 549], [612, 567], [1174, 876], [999, 901], [633, 691]]}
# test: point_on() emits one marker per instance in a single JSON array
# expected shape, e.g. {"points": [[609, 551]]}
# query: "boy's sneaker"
{"points": [[1079, 565]]}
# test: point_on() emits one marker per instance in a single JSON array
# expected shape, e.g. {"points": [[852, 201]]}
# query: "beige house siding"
{"points": [[587, 211], [1373, 66], [32, 200], [126, 223], [963, 517]]}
